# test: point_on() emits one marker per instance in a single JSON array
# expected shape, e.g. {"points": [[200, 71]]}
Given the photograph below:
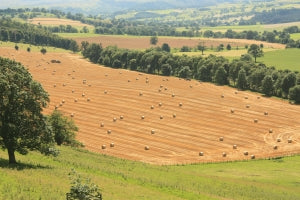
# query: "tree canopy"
{"points": [[255, 51], [23, 127]]}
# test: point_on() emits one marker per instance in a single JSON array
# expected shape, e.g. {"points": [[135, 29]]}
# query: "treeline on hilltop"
{"points": [[241, 73], [151, 28], [20, 32]]}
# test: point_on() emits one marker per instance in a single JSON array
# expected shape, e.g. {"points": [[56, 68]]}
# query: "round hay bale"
{"points": [[258, 97], [152, 131], [54, 71], [56, 107], [105, 92], [73, 91], [90, 85], [121, 117], [102, 124], [120, 72], [63, 101], [161, 117], [141, 94], [72, 115], [83, 95], [247, 106], [54, 85], [173, 95], [290, 140], [236, 92], [270, 130], [180, 104], [73, 77], [103, 146], [73, 70], [275, 147], [266, 113], [160, 104], [234, 146], [246, 153], [128, 81], [222, 96], [166, 88], [161, 86], [114, 119], [106, 75], [152, 107], [201, 153], [147, 81], [112, 145], [137, 79], [84, 81], [60, 104], [246, 97], [69, 74], [224, 154], [108, 131], [221, 139], [191, 86], [64, 85], [278, 140], [252, 156], [255, 120], [143, 117], [174, 115], [159, 90], [232, 110], [167, 79], [75, 100], [147, 148], [88, 99]]}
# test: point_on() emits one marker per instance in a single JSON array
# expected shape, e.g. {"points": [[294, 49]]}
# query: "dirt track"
{"points": [[203, 118]]}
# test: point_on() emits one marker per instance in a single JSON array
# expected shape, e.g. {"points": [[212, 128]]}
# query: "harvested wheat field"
{"points": [[174, 42], [56, 22], [162, 120]]}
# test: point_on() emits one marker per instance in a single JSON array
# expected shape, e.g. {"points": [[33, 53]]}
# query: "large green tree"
{"points": [[255, 51], [242, 80], [267, 85], [294, 94], [22, 124]]}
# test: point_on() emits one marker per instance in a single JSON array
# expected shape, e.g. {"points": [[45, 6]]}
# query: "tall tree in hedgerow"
{"points": [[294, 94], [22, 124], [255, 51], [242, 80], [267, 85]]}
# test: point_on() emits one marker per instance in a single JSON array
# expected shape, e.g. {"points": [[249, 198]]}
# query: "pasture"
{"points": [[282, 59], [162, 120], [41, 177], [56, 22]]}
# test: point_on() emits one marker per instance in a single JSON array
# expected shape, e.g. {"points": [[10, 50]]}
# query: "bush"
{"points": [[82, 191], [294, 94]]}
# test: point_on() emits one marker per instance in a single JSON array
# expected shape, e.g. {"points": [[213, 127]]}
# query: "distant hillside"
{"points": [[109, 6]]}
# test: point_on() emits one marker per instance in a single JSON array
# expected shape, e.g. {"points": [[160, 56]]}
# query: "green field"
{"points": [[282, 59], [40, 177], [295, 36]]}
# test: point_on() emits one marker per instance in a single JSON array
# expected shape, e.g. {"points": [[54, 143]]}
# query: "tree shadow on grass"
{"points": [[21, 166]]}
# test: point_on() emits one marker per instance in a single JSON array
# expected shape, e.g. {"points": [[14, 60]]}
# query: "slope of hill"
{"points": [[175, 119]]}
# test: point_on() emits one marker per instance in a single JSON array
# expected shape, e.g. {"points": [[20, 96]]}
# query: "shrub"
{"points": [[294, 94]]}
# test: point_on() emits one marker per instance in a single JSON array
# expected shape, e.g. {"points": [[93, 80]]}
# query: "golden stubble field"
{"points": [[174, 42], [174, 134]]}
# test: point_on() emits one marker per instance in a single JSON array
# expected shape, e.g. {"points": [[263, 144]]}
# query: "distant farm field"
{"points": [[57, 22], [282, 59], [162, 120], [135, 42]]}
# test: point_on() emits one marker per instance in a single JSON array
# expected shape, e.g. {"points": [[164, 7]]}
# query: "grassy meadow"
{"points": [[41, 177], [282, 59]]}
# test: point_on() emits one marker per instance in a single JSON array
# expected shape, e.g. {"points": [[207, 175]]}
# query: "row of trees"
{"points": [[23, 127], [18, 32], [241, 73]]}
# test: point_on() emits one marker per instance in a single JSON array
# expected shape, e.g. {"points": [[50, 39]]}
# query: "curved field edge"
{"points": [[40, 177]]}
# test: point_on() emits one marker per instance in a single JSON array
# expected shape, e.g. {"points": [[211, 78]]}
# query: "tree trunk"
{"points": [[11, 156]]}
